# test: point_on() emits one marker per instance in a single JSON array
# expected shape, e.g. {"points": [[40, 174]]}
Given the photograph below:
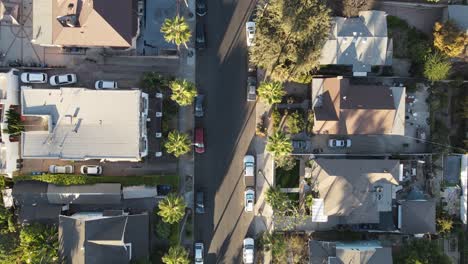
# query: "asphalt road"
{"points": [[229, 124]]}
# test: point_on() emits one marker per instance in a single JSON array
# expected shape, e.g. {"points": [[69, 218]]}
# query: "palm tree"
{"points": [[176, 31], [177, 143], [183, 92], [171, 209], [271, 92], [279, 144], [176, 255]]}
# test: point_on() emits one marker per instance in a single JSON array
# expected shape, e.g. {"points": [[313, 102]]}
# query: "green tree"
{"points": [[289, 37], [449, 39], [351, 8], [177, 143], [15, 125], [39, 244], [436, 67], [183, 92], [444, 225], [163, 229], [287, 163], [176, 31], [154, 80], [279, 144], [176, 255], [421, 251], [277, 199], [271, 92], [172, 209], [295, 122]]}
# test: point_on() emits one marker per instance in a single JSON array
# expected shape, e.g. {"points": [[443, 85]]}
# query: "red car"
{"points": [[199, 142]]}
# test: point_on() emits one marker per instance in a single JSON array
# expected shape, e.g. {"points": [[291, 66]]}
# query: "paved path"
{"points": [[229, 129]]}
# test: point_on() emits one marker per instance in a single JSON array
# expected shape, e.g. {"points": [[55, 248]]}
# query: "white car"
{"points": [[105, 85], [91, 170], [339, 143], [34, 77], [248, 250], [64, 79], [199, 253], [250, 32], [66, 169], [249, 199]]}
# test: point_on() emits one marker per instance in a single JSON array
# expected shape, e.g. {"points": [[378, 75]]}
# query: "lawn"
{"points": [[71, 179], [288, 179]]}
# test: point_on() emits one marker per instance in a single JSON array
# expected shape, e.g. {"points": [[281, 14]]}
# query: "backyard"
{"points": [[288, 178]]}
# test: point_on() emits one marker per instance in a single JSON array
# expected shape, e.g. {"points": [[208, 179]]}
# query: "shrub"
{"points": [[448, 38], [295, 122], [275, 119], [436, 67], [163, 229]]}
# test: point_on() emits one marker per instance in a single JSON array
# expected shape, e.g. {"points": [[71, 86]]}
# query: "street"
{"points": [[229, 124]]}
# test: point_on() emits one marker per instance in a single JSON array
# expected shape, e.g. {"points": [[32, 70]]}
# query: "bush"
{"points": [[163, 229], [436, 67], [295, 122], [286, 163], [448, 38], [275, 119]]}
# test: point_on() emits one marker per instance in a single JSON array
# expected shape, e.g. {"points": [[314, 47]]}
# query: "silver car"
{"points": [[34, 77], [64, 79], [339, 143], [251, 89], [199, 252]]}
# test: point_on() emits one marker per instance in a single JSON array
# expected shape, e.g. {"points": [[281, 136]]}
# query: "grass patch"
{"points": [[77, 179], [288, 179]]}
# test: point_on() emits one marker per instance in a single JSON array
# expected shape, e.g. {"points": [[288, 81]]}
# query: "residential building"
{"points": [[417, 217], [346, 109], [355, 191], [111, 236], [83, 124], [362, 252], [361, 42], [85, 23], [9, 99]]}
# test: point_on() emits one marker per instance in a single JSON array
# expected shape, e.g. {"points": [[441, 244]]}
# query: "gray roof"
{"points": [[103, 240], [452, 169], [101, 193], [360, 252], [418, 217], [458, 13], [358, 41]]}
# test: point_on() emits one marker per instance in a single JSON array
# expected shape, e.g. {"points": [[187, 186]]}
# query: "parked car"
{"points": [[299, 144], [199, 105], [201, 8], [163, 189], [339, 143], [250, 32], [200, 39], [91, 170], [64, 79], [200, 203], [56, 169], [251, 88], [249, 199], [252, 70], [34, 77], [105, 85], [199, 141], [248, 250], [199, 252]]}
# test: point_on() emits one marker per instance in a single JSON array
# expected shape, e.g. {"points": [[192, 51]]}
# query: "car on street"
{"points": [[64, 79], [248, 250], [91, 170], [249, 199], [199, 105], [65, 169], [252, 70], [251, 89], [105, 85], [339, 143], [201, 7], [34, 77], [200, 203], [249, 166], [200, 35], [199, 140], [199, 252], [250, 32]]}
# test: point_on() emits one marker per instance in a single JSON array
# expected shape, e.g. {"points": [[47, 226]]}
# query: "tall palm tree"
{"points": [[176, 31], [183, 92], [279, 144], [177, 143], [176, 255], [271, 92], [172, 209]]}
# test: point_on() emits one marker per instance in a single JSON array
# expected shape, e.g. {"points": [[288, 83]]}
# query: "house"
{"points": [[83, 124], [85, 23], [362, 252], [457, 13], [346, 109], [354, 191], [361, 42], [9, 12], [417, 217], [107, 237], [100, 193]]}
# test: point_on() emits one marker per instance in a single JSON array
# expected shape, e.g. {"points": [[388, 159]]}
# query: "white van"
{"points": [[105, 85]]}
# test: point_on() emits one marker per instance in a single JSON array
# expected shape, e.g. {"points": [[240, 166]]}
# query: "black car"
{"points": [[199, 105], [163, 189], [201, 7], [200, 203], [200, 40]]}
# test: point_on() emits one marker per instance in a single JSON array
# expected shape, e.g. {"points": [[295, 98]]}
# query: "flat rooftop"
{"points": [[83, 124]]}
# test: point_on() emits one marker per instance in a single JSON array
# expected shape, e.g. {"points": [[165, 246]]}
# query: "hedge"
{"points": [[77, 179]]}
